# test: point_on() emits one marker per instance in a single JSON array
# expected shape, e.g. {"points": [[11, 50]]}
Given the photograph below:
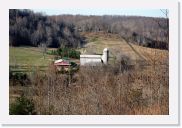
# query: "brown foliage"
{"points": [[101, 91]]}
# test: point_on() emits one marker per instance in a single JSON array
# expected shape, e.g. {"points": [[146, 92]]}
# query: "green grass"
{"points": [[29, 56], [26, 59]]}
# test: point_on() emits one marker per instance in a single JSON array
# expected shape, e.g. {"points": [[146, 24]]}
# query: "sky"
{"points": [[127, 12]]}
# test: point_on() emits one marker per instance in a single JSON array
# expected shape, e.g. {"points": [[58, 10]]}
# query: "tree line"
{"points": [[29, 28]]}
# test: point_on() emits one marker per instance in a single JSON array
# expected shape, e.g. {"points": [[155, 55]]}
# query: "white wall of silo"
{"points": [[105, 55]]}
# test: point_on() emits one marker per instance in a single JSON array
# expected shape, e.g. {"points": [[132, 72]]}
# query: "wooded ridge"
{"points": [[29, 28]]}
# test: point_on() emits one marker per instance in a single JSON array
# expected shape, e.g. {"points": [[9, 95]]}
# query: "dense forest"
{"points": [[29, 28]]}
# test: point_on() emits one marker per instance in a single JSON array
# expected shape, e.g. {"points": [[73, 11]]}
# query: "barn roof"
{"points": [[90, 56], [62, 62]]}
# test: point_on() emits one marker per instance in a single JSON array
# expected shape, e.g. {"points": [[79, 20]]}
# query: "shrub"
{"points": [[19, 77], [65, 52], [124, 63], [22, 106]]}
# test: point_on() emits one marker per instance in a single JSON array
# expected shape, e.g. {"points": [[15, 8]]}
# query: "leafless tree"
{"points": [[43, 48]]}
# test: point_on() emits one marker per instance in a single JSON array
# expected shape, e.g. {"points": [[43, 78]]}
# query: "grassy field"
{"points": [[26, 58], [29, 56]]}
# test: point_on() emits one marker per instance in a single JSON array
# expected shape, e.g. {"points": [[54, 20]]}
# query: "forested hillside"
{"points": [[29, 28], [145, 31]]}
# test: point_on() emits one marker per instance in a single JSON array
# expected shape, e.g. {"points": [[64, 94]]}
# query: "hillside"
{"points": [[111, 90], [135, 81], [34, 29], [33, 56], [145, 31], [118, 46]]}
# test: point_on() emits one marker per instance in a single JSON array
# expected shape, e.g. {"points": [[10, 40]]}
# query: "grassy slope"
{"points": [[117, 46], [97, 42], [28, 56]]}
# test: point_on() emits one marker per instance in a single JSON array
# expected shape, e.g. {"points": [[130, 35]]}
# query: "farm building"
{"points": [[65, 65], [62, 64], [95, 59]]}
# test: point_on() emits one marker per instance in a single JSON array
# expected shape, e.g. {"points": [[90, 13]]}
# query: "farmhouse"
{"points": [[95, 59]]}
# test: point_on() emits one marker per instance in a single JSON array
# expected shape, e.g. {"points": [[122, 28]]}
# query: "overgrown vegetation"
{"points": [[111, 91], [22, 106], [18, 78]]}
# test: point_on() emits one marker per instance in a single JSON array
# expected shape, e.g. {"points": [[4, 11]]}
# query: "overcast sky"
{"points": [[127, 12]]}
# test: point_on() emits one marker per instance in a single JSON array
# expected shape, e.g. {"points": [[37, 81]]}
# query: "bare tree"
{"points": [[43, 48]]}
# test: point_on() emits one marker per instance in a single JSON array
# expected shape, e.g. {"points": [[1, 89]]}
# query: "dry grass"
{"points": [[118, 46], [100, 91]]}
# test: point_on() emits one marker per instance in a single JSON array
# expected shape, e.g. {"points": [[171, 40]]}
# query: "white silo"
{"points": [[105, 55]]}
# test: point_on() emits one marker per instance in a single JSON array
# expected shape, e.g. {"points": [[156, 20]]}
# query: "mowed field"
{"points": [[25, 58], [28, 56]]}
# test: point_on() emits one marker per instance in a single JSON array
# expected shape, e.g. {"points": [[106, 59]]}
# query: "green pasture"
{"points": [[27, 58]]}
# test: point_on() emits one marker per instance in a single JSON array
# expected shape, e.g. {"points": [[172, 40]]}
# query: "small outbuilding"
{"points": [[62, 64]]}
